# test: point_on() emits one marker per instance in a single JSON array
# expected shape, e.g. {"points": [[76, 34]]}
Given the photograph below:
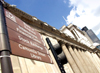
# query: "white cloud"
{"points": [[85, 13]]}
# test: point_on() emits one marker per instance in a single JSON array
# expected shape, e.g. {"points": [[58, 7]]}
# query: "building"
{"points": [[28, 56], [92, 38], [74, 32], [91, 35]]}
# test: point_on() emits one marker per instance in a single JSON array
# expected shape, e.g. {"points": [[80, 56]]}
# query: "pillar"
{"points": [[91, 62], [70, 59], [81, 60], [88, 62], [98, 59], [96, 63], [76, 60], [84, 60]]}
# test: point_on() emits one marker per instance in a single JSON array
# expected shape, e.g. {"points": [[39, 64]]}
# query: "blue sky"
{"points": [[49, 11], [63, 12]]}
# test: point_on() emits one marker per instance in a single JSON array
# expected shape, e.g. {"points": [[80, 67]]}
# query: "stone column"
{"points": [[70, 59], [98, 59], [88, 62], [91, 62], [85, 61], [92, 59], [95, 61], [81, 60], [76, 59]]}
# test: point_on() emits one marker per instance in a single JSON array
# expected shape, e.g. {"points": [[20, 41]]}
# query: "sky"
{"points": [[63, 12]]}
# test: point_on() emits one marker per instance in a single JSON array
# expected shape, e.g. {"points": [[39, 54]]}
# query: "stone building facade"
{"points": [[81, 58]]}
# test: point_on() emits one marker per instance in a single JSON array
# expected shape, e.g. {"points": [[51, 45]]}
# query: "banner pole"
{"points": [[6, 66]]}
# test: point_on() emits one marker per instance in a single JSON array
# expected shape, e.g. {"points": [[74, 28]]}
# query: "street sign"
{"points": [[25, 41], [19, 38], [21, 50]]}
